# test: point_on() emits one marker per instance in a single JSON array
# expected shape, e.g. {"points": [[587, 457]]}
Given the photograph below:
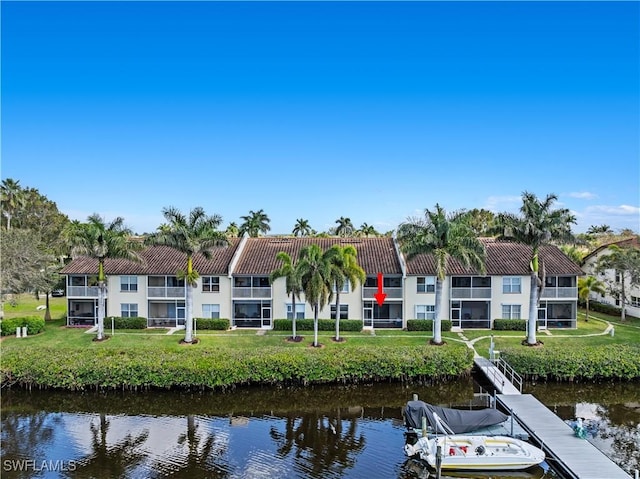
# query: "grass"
{"points": [[58, 335]]}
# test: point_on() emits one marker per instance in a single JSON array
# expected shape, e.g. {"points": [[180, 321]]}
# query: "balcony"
{"points": [[165, 292], [251, 292], [571, 292], [392, 293], [82, 291], [470, 293]]}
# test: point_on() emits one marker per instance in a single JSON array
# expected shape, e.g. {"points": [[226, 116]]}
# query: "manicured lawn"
{"points": [[26, 304]]}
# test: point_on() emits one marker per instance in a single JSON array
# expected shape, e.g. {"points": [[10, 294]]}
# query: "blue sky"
{"points": [[316, 110]]}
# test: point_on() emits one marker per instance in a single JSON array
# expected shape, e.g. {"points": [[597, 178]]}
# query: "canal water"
{"points": [[314, 432]]}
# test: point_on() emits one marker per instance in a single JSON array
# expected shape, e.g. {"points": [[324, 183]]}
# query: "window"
{"points": [[461, 282], [344, 311], [210, 284], [211, 311], [346, 287], [425, 311], [128, 283], [635, 301], [426, 284], [550, 282], [128, 310], [511, 284], [299, 311], [511, 311]]}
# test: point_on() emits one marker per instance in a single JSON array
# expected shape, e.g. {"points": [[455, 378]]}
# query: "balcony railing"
{"points": [[251, 292], [165, 292], [468, 293], [392, 293], [82, 291], [560, 293]]}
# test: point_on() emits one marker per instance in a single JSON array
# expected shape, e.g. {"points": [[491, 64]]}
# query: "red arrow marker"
{"points": [[380, 296]]}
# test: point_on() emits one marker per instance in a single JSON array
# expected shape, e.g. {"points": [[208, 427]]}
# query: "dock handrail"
{"points": [[508, 372]]}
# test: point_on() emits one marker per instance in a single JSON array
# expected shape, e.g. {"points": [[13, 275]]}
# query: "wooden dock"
{"points": [[577, 457]]}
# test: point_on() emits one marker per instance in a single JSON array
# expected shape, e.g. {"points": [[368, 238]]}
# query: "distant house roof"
{"points": [[375, 255], [503, 258], [158, 260], [628, 242]]}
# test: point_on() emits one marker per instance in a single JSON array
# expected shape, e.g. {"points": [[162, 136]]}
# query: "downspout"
{"points": [[403, 268], [232, 267]]}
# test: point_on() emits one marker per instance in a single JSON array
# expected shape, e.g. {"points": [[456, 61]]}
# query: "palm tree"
{"points": [[196, 234], [302, 228], [99, 240], [367, 231], [443, 236], [345, 227], [344, 270], [232, 230], [315, 271], [536, 225], [12, 197], [625, 262], [290, 272], [599, 230], [255, 222], [588, 285]]}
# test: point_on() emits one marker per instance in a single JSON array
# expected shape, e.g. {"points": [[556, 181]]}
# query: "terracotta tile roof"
{"points": [[503, 258], [158, 260], [633, 242], [374, 254]]}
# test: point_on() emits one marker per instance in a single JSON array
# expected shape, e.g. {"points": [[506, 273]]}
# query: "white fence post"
{"points": [[24, 331], [18, 330]]}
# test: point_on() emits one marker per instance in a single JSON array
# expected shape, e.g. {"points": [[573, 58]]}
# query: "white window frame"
{"points": [[346, 287], [211, 284], [426, 311], [300, 310], [511, 311], [127, 310], [511, 284], [211, 311], [128, 284], [344, 311], [426, 284]]}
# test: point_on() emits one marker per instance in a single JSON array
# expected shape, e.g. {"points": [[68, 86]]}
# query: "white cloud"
{"points": [[499, 204], [582, 195], [621, 210]]}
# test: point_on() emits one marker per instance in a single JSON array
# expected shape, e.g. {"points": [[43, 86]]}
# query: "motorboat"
{"points": [[451, 451]]}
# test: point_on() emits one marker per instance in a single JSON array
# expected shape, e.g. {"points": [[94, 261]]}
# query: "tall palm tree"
{"points": [[344, 270], [12, 197], [315, 271], [599, 230], [302, 228], [588, 285], [625, 262], [254, 223], [232, 230], [345, 227], [443, 236], [367, 231], [196, 234], [290, 272], [537, 224], [100, 240]]}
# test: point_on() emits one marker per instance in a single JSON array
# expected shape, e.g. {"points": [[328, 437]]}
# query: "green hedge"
{"points": [[34, 325], [323, 325], [105, 368], [426, 325], [510, 324], [119, 322], [219, 324], [601, 307], [619, 361]]}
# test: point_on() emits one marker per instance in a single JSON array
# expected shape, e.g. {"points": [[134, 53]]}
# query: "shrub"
{"points": [[426, 325], [126, 323], [601, 307], [323, 325], [218, 324], [34, 325], [106, 368], [619, 361], [510, 324]]}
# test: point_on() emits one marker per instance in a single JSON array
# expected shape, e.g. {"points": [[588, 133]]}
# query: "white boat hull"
{"points": [[484, 453]]}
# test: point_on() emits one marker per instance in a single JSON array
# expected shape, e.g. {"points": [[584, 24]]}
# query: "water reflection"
{"points": [[320, 432]]}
